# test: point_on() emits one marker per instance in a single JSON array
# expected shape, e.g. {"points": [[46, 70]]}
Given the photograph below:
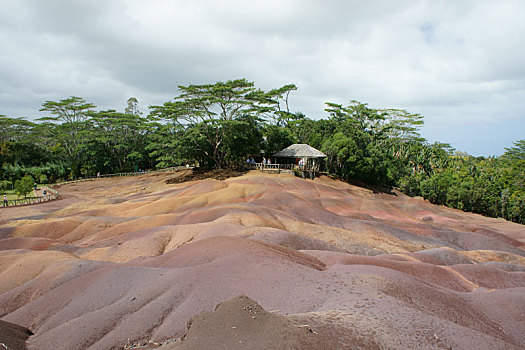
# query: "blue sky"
{"points": [[461, 64]]}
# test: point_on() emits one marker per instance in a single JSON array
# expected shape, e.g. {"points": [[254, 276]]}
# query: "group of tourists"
{"points": [[265, 160], [45, 194]]}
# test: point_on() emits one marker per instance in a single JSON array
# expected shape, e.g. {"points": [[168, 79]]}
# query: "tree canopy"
{"points": [[219, 125], [211, 114], [67, 126]]}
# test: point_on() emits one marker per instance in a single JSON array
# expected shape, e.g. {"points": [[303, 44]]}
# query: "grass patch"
{"points": [[11, 194]]}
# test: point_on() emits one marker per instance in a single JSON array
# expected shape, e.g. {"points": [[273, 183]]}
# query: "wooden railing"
{"points": [[50, 195], [272, 168], [282, 167]]}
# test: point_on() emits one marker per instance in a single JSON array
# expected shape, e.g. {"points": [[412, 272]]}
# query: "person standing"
{"points": [[6, 202]]}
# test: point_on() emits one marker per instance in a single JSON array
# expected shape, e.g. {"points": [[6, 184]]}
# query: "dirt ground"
{"points": [[252, 260], [201, 174], [12, 336]]}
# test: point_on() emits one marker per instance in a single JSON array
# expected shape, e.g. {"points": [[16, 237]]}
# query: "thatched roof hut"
{"points": [[300, 150], [303, 158]]}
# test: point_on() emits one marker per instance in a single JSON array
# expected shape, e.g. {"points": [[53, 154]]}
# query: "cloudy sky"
{"points": [[461, 64]]}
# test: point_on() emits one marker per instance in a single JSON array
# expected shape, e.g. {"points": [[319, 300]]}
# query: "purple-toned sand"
{"points": [[124, 262]]}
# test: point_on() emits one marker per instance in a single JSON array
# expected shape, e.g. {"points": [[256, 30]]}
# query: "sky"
{"points": [[460, 64]]}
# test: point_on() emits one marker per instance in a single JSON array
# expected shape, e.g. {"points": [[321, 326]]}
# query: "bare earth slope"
{"points": [[131, 260]]}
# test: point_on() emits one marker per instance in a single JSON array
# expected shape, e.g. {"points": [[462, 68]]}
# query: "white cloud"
{"points": [[458, 63]]}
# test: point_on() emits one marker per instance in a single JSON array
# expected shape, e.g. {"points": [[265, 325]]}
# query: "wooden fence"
{"points": [[279, 168], [272, 168], [50, 195]]}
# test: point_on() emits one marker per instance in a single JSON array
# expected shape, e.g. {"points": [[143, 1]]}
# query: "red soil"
{"points": [[130, 260]]}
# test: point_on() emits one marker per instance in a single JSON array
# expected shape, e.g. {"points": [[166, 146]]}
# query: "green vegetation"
{"points": [[218, 125], [24, 186], [11, 195], [489, 186], [5, 185]]}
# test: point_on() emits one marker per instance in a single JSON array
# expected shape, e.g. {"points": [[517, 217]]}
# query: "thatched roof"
{"points": [[300, 150]]}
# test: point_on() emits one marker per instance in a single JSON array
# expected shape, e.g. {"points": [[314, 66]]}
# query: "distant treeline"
{"points": [[219, 125]]}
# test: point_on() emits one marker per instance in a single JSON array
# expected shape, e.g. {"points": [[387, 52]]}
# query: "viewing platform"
{"points": [[273, 168]]}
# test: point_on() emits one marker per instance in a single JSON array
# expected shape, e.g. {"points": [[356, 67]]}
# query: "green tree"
{"points": [[311, 132], [43, 179], [20, 143], [243, 137], [358, 147], [436, 188], [514, 179], [207, 112], [67, 127], [402, 125], [5, 184], [167, 145], [277, 138], [516, 152], [133, 107], [122, 136], [24, 185], [282, 115]]}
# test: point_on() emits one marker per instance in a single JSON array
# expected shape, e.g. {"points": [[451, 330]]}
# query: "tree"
{"points": [[4, 184], [361, 117], [20, 142], [122, 136], [14, 129], [243, 137], [132, 108], [282, 95], [167, 145], [71, 114], [514, 179], [402, 125], [24, 185], [312, 132], [207, 112], [277, 138], [357, 149], [517, 152]]}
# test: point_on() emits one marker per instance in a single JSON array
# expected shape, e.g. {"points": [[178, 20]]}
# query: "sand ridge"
{"points": [[131, 260]]}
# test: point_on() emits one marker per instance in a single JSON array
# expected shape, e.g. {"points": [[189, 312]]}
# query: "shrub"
{"points": [[24, 185]]}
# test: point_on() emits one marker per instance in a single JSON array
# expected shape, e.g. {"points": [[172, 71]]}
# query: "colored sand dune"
{"points": [[324, 264]]}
